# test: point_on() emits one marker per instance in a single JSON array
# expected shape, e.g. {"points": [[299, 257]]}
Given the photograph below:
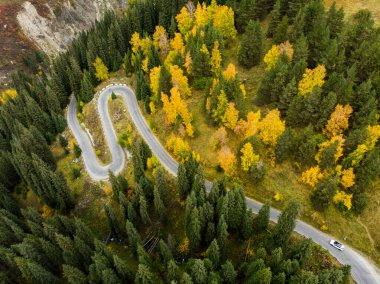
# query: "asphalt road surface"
{"points": [[363, 271]]}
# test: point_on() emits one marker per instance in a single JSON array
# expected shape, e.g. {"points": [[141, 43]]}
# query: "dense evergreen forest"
{"points": [[322, 78]]}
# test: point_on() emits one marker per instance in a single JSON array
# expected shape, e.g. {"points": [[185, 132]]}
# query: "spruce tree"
{"points": [[247, 224], [285, 225], [275, 18], [222, 233], [86, 89], [73, 275], [198, 271], [144, 275], [112, 221], [159, 205], [194, 231], [182, 182], [134, 238], [213, 253], [262, 219], [165, 253], [162, 185], [75, 76], [280, 34], [173, 271], [228, 272], [251, 47], [143, 210]]}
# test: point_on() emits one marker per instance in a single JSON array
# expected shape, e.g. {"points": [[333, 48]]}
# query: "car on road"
{"points": [[337, 245]]}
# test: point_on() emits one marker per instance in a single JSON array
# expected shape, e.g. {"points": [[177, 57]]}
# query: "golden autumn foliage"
{"points": [[8, 94], [249, 127], [271, 57], [324, 145], [248, 159], [343, 198], [155, 80], [243, 91], [223, 20], [274, 54], [227, 160], [338, 121], [231, 116], [221, 107], [348, 178], [184, 246], [312, 78], [179, 147], [101, 70], [373, 137], [135, 42], [271, 128], [312, 176], [277, 196], [230, 72], [140, 43], [222, 17], [180, 81], [185, 21], [188, 62], [216, 59], [177, 44], [176, 106], [159, 32]]}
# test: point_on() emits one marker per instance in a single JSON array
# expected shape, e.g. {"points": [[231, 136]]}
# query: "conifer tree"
{"points": [[173, 271], [286, 223], [75, 76], [143, 210], [74, 275], [281, 32], [275, 18], [213, 253], [87, 89], [112, 221], [182, 182], [134, 238], [198, 271], [164, 83], [159, 205], [251, 48], [222, 233], [262, 219], [194, 230], [165, 253], [247, 225], [144, 275], [228, 272]]}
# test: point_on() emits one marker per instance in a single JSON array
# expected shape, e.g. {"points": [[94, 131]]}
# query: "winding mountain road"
{"points": [[363, 271]]}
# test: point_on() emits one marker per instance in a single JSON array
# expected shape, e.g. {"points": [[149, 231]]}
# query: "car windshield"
{"points": [[337, 244]]}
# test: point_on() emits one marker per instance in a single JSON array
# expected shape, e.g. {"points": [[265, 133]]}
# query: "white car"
{"points": [[337, 245]]}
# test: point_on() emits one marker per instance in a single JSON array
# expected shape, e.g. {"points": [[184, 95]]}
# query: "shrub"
{"points": [[75, 172], [77, 151]]}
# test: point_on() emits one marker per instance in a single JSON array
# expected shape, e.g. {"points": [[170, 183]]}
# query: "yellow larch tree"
{"points": [[154, 77], [201, 15], [271, 128], [8, 94], [271, 57], [373, 136], [230, 72], [224, 22], [135, 42], [221, 107], [227, 160], [338, 121], [248, 158], [249, 127], [312, 78], [178, 146], [160, 40], [216, 59], [312, 176], [348, 178], [185, 21], [101, 70], [177, 44], [231, 116], [343, 198], [188, 62], [180, 81]]}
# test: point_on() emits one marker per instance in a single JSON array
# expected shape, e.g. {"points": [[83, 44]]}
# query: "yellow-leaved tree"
{"points": [[312, 176], [231, 116], [248, 158], [177, 44], [180, 81], [101, 70], [179, 147], [160, 40], [219, 138], [155, 81], [249, 127], [185, 21], [338, 121], [8, 94], [230, 72], [339, 150], [224, 22], [271, 128], [312, 78], [216, 59], [227, 161], [271, 57], [188, 62], [348, 178], [343, 198], [176, 106]]}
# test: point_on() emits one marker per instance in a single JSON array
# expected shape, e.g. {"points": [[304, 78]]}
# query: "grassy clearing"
{"points": [[352, 6]]}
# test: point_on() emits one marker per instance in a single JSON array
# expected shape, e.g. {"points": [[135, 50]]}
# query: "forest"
{"points": [[315, 105]]}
